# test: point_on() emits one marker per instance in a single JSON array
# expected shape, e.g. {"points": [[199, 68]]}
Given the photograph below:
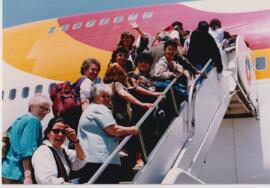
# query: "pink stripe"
{"points": [[254, 26]]}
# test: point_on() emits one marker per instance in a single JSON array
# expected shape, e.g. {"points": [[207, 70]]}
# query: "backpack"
{"points": [[63, 98], [66, 96]]}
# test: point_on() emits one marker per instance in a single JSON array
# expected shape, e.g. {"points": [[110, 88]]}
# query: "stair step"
{"points": [[125, 182]]}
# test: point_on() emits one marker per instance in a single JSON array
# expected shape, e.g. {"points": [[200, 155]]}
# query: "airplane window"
{"points": [[52, 29], [64, 27], [12, 94], [147, 15], [77, 26], [38, 89], [25, 92], [260, 63], [51, 86], [118, 19], [3, 95], [104, 21], [132, 17], [90, 23]]}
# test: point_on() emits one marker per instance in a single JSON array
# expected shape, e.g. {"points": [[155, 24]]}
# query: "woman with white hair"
{"points": [[25, 135], [99, 133]]}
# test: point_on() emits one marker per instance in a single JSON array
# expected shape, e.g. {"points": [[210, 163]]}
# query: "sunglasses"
{"points": [[57, 131]]}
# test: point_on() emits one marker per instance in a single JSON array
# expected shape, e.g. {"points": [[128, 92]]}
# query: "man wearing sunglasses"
{"points": [[25, 135]]}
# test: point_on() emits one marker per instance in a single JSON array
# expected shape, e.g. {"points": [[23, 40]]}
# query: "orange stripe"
{"points": [[262, 74], [55, 56]]}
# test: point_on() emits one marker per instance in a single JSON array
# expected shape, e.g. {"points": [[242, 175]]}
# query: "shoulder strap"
{"points": [[113, 87], [67, 159], [76, 85], [60, 167]]}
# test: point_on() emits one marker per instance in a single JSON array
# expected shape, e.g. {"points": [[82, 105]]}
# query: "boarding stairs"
{"points": [[180, 153]]}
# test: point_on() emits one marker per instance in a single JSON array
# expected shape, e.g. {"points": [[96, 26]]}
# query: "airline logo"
{"points": [[248, 69]]}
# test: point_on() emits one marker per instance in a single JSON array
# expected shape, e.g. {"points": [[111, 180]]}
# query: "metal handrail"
{"points": [[126, 139], [191, 98]]}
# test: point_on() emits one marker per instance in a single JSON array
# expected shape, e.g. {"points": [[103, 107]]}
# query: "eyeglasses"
{"points": [[57, 131], [44, 109]]}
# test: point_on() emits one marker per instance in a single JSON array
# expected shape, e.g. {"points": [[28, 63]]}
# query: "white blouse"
{"points": [[44, 164], [86, 88]]}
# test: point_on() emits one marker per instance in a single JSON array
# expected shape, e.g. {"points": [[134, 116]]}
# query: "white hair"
{"points": [[38, 99], [100, 88]]}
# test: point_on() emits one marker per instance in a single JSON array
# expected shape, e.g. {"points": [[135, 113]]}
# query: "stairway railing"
{"points": [[190, 106], [126, 139]]}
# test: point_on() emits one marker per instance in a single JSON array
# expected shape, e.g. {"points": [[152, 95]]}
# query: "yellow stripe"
{"points": [[262, 74], [55, 56], [32, 49]]}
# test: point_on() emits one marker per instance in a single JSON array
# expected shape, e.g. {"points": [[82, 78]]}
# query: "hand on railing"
{"points": [[187, 74], [125, 140], [175, 75], [134, 130], [157, 94], [189, 83], [202, 74], [147, 105]]}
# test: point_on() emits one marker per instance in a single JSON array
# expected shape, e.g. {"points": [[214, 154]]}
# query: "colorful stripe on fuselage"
{"points": [[58, 56], [254, 26]]}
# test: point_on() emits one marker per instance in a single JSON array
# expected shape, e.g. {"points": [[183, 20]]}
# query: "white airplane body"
{"points": [[241, 149]]}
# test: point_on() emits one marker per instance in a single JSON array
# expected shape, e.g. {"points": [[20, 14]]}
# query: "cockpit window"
{"points": [[12, 94], [260, 63], [147, 15], [133, 17], [25, 92], [38, 89]]}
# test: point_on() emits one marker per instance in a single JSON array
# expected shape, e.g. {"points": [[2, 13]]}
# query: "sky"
{"points": [[17, 12]]}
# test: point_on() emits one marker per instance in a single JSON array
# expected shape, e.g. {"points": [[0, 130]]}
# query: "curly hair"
{"points": [[115, 73], [86, 64], [99, 88], [117, 51], [120, 43]]}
